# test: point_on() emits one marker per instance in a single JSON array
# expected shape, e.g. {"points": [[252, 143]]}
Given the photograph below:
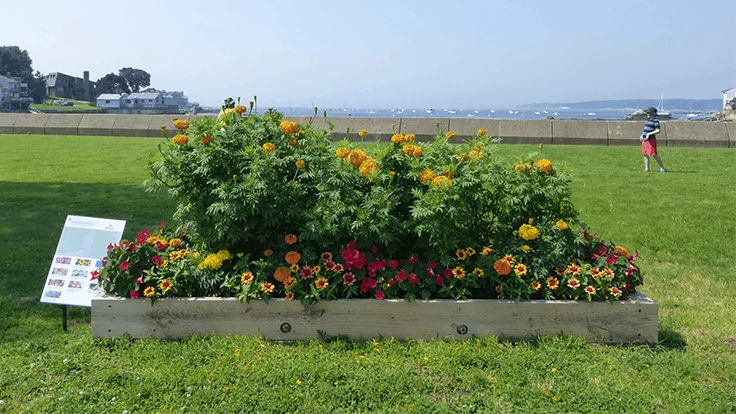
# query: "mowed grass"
{"points": [[682, 223]]}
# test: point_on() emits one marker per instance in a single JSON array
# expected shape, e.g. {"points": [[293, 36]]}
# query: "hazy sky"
{"points": [[386, 54]]}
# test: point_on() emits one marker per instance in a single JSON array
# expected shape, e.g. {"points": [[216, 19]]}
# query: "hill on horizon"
{"points": [[633, 104]]}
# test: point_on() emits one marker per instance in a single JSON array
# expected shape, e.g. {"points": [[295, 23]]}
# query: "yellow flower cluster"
{"points": [[214, 261], [450, 134], [562, 224], [528, 232], [482, 132], [289, 127], [367, 168], [181, 139], [413, 150], [269, 147], [342, 152], [522, 167], [441, 182], [397, 138], [357, 157], [181, 124], [240, 109], [176, 255], [300, 164], [363, 133], [426, 176], [543, 165]]}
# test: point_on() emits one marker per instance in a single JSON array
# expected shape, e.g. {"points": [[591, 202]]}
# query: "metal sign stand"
{"points": [[63, 317]]}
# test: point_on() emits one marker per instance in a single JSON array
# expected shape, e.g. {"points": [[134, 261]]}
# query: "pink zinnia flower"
{"points": [[602, 250], [414, 279], [306, 272], [142, 236], [413, 260], [111, 246], [138, 280], [134, 294], [391, 281], [157, 260], [329, 265], [161, 224], [448, 273], [124, 266], [374, 249], [439, 281], [431, 265], [367, 284], [338, 268], [380, 295], [401, 276], [393, 263], [134, 247], [124, 245], [348, 278]]}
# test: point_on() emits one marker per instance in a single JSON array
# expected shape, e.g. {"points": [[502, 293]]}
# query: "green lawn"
{"points": [[53, 106], [681, 222]]}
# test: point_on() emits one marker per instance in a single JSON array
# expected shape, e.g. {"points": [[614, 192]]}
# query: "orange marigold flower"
{"points": [[289, 127], [240, 109], [410, 138], [363, 133], [166, 285], [281, 274], [342, 152], [181, 139], [289, 296], [502, 267], [293, 257], [397, 138], [269, 147], [247, 278], [176, 242], [458, 272], [267, 252], [357, 157], [621, 251], [300, 164], [267, 287], [149, 291], [426, 176], [553, 283], [482, 132], [486, 251], [450, 134], [367, 168], [181, 124], [293, 141], [321, 283], [441, 182], [543, 165], [290, 239], [207, 139]]}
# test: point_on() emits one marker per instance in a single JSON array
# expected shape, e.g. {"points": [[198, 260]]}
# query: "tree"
{"points": [[135, 78], [16, 62], [112, 83]]}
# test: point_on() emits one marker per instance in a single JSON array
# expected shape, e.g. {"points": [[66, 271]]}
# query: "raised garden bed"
{"points": [[626, 321]]}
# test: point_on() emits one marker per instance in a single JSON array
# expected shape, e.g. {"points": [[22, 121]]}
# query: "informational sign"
{"points": [[82, 246]]}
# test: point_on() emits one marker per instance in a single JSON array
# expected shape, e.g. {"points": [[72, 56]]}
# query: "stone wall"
{"points": [[511, 131]]}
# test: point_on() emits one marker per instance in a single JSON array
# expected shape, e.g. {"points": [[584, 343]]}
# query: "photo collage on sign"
{"points": [[70, 275]]}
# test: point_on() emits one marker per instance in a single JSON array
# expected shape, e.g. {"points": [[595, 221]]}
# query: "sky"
{"points": [[390, 54]]}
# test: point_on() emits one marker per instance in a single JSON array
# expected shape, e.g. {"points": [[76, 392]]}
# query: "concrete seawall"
{"points": [[511, 131]]}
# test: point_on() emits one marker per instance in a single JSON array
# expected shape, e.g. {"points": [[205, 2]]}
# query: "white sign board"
{"points": [[82, 246]]}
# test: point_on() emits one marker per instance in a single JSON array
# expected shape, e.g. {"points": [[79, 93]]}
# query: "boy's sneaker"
{"points": [[662, 170], [646, 170]]}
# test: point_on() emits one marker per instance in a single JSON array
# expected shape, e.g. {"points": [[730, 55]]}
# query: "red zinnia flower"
{"points": [[611, 259], [134, 247], [393, 263], [447, 273], [414, 279], [142, 236], [401, 276], [157, 260], [391, 281], [431, 265], [124, 266], [374, 249], [439, 281], [380, 295], [134, 294], [413, 260]]}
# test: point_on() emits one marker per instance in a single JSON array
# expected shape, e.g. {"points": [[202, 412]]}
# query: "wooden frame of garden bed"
{"points": [[626, 321]]}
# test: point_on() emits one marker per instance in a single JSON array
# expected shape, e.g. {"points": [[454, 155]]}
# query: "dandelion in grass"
{"points": [[321, 283], [553, 283], [267, 287], [149, 291], [573, 283], [590, 290], [247, 278]]}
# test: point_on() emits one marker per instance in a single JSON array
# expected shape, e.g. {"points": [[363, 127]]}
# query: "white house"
{"points": [[109, 100], [728, 96], [143, 100], [14, 93]]}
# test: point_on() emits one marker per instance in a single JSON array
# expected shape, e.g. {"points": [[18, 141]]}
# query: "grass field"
{"points": [[53, 106], [682, 223]]}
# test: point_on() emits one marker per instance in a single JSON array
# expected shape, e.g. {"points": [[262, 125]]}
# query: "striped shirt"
{"points": [[652, 125]]}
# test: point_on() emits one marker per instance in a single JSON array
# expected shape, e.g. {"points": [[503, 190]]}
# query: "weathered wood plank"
{"points": [[633, 320]]}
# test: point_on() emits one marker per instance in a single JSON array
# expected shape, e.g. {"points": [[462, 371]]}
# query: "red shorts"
{"points": [[649, 147]]}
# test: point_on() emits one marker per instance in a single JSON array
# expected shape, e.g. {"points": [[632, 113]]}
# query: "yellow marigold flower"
{"points": [[321, 283], [426, 176], [289, 127], [166, 285], [562, 224], [528, 232], [397, 138], [181, 124], [224, 255], [476, 154], [267, 287], [181, 139], [392, 173], [520, 269], [367, 168], [152, 239], [482, 132], [526, 248], [450, 134], [417, 151], [342, 152], [543, 165], [269, 147], [247, 278], [300, 164], [357, 157], [502, 267], [240, 109], [289, 296], [176, 242], [293, 257], [410, 138], [621, 251], [441, 182], [290, 239], [363, 133], [211, 262], [478, 272], [149, 291], [486, 251]]}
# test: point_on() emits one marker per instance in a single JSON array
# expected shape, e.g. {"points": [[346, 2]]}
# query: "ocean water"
{"points": [[560, 113]]}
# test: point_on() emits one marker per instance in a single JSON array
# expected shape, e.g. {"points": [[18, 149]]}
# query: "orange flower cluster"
{"points": [[426, 176], [240, 109], [450, 134], [269, 147], [522, 167], [207, 139], [363, 133], [290, 239], [367, 168], [293, 257], [282, 274], [413, 150], [181, 124], [482, 132], [300, 164], [181, 139], [502, 267], [342, 152], [441, 182], [543, 165], [289, 127], [357, 157]]}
